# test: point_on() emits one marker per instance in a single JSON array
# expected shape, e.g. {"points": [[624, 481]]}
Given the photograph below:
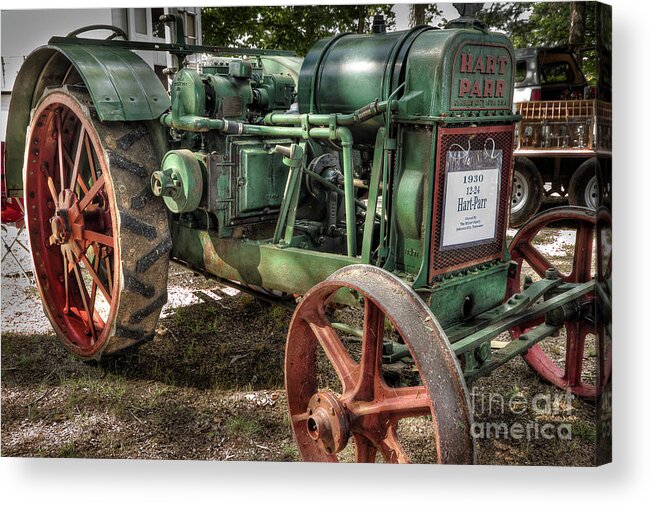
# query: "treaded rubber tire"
{"points": [[584, 177], [143, 236], [530, 192]]}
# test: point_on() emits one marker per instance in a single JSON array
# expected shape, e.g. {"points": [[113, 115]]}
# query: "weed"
{"points": [[68, 450], [243, 425]]}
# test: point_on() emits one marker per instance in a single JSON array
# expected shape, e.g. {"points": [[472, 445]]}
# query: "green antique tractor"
{"points": [[368, 185]]}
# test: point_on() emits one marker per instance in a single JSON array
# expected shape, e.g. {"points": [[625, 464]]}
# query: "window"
{"points": [[157, 28], [520, 71], [140, 21], [190, 28], [556, 72]]}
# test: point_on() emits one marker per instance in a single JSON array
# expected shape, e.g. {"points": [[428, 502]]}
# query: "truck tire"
{"points": [[526, 192], [583, 189]]}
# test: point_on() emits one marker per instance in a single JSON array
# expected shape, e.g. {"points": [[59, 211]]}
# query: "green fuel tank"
{"points": [[446, 73], [349, 71]]}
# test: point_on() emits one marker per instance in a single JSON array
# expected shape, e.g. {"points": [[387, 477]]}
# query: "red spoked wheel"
{"points": [[564, 363], [363, 405], [91, 226]]}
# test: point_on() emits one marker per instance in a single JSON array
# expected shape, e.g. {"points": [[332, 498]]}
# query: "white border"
{"points": [[53, 482]]}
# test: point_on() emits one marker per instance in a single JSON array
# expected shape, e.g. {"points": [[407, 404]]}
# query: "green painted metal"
{"points": [[511, 350], [290, 269], [373, 195], [448, 72], [123, 87], [180, 181], [347, 72], [241, 210], [173, 48], [498, 326], [460, 298]]}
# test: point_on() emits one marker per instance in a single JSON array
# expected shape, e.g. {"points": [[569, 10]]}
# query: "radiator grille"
{"points": [[443, 260]]}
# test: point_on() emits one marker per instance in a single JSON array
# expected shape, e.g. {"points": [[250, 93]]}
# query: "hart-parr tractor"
{"points": [[368, 184]]}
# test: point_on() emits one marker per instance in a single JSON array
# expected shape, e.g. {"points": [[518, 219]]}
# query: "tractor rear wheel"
{"points": [[99, 240], [581, 361], [342, 390]]}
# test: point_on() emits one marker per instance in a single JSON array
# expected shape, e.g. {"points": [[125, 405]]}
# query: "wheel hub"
{"points": [[64, 217], [328, 422], [60, 227]]}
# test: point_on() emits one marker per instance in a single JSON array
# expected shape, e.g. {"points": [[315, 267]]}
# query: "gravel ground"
{"points": [[209, 386]]}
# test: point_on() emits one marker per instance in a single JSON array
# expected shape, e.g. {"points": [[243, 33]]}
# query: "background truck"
{"points": [[563, 128]]}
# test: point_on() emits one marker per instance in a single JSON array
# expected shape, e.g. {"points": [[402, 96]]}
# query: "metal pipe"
{"points": [[359, 116], [345, 137], [333, 187]]}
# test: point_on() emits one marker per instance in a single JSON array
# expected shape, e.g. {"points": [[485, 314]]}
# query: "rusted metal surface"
{"points": [[523, 250], [368, 409]]}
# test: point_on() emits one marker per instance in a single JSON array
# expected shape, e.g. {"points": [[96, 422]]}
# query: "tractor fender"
{"points": [[122, 86]]}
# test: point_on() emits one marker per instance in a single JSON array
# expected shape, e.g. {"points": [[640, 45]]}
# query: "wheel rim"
{"points": [[591, 193], [519, 192], [72, 226], [366, 410], [566, 373]]}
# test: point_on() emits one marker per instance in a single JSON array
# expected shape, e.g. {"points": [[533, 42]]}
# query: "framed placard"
{"points": [[471, 196]]}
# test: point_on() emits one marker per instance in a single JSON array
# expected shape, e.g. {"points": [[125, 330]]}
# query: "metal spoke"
{"points": [[391, 448], [75, 166], [370, 366], [92, 192], [93, 290], [109, 277], [66, 273], [82, 183], [96, 278], [91, 162], [582, 264], [365, 450], [83, 294], [60, 151], [105, 240], [53, 192], [534, 258], [341, 361], [574, 351], [404, 402]]}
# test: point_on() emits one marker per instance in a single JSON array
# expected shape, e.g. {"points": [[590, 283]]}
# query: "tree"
{"points": [[293, 27], [425, 14], [577, 25], [549, 24], [416, 15]]}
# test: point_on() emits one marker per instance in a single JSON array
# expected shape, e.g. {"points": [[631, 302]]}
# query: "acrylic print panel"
{"points": [[229, 243]]}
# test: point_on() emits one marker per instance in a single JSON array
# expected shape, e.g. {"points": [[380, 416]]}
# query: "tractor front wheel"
{"points": [[349, 400]]}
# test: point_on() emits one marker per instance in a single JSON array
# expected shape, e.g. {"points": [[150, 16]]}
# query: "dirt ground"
{"points": [[210, 386]]}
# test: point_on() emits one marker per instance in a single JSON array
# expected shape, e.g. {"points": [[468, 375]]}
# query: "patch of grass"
{"points": [[289, 453], [68, 451], [243, 425], [584, 430], [89, 390]]}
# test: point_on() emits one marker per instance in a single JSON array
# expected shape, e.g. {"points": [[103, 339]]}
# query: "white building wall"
{"points": [[22, 31]]}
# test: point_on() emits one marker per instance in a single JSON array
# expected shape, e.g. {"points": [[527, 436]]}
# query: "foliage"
{"points": [[544, 24], [425, 14], [547, 24], [294, 27]]}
